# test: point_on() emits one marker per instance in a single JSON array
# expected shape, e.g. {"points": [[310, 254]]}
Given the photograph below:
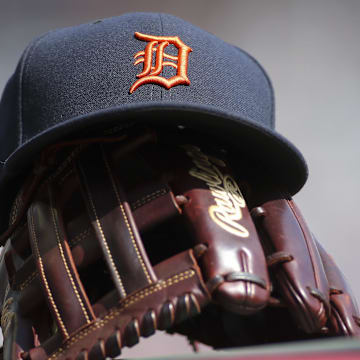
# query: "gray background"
{"points": [[312, 54]]}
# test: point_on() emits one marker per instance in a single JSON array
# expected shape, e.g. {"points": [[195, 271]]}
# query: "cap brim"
{"points": [[288, 166]]}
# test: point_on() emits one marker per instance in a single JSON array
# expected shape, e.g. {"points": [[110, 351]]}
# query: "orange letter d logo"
{"points": [[156, 46]]}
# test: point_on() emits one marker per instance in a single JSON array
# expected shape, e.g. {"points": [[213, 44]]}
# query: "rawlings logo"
{"points": [[156, 48], [228, 198]]}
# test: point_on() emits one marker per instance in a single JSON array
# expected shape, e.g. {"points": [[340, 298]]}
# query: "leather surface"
{"points": [[176, 276], [59, 278], [218, 217], [66, 244], [136, 233], [345, 316], [113, 223], [304, 274]]}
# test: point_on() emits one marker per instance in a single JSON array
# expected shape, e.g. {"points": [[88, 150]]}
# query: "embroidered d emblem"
{"points": [[152, 67]]}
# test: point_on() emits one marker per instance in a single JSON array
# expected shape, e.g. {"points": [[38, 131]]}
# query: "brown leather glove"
{"points": [[113, 238]]}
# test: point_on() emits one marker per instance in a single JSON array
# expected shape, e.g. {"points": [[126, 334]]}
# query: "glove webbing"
{"points": [[61, 282]]}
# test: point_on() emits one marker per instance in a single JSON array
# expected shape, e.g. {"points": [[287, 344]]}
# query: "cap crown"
{"points": [[80, 70]]}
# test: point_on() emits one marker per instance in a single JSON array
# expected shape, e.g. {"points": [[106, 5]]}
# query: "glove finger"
{"points": [[295, 262], [345, 316], [232, 257]]}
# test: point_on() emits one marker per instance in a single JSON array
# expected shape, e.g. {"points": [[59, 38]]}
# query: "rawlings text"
{"points": [[227, 195]]}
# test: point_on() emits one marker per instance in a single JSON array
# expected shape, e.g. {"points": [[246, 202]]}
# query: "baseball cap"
{"points": [[139, 68]]}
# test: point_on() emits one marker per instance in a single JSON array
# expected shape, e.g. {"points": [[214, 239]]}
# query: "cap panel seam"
{"points": [[23, 72]]}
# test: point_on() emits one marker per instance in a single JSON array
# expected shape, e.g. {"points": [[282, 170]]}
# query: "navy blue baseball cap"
{"points": [[139, 67]]}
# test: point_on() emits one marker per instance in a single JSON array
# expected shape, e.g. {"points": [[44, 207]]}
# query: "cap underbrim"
{"points": [[288, 166]]}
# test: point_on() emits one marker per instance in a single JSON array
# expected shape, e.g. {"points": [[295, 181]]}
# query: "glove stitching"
{"points": [[140, 202], [64, 259], [74, 241], [50, 296], [159, 286], [62, 167], [116, 312], [65, 176], [140, 258], [28, 281], [79, 237], [15, 209], [102, 236]]}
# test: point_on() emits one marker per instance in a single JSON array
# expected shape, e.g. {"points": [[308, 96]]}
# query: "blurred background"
{"points": [[310, 49]]}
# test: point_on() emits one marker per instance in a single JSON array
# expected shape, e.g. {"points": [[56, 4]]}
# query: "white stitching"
{"points": [[147, 198], [64, 259], [32, 228], [141, 260], [98, 224], [113, 313], [80, 237]]}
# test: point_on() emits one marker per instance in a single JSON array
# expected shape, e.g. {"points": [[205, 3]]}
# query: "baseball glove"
{"points": [[112, 238]]}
